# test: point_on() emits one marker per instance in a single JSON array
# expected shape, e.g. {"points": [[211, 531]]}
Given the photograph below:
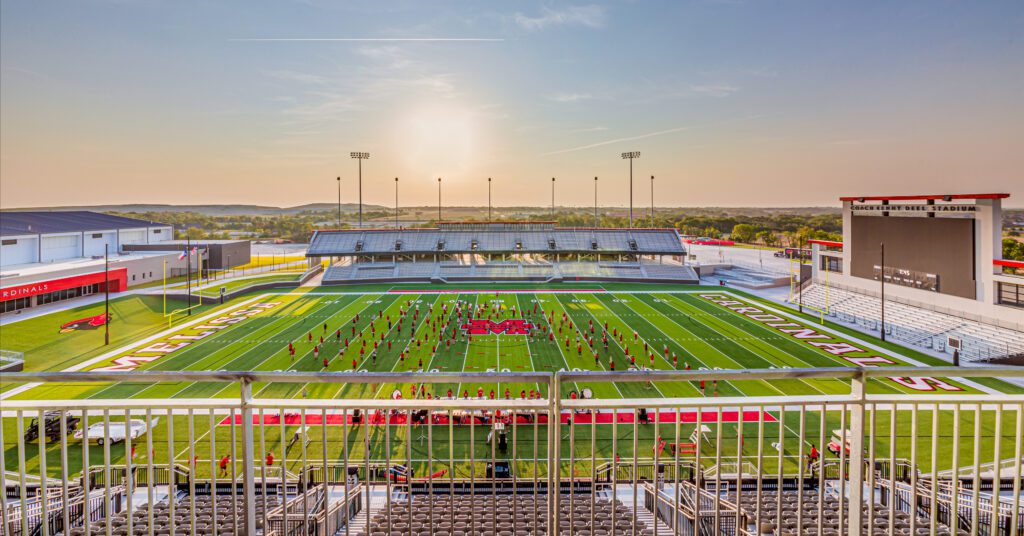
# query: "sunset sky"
{"points": [[730, 102]]}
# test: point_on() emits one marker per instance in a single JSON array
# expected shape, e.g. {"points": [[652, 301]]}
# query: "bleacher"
{"points": [[510, 271], [914, 326], [503, 515]]}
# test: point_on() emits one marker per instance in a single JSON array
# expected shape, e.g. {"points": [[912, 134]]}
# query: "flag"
{"points": [[184, 253], [194, 250]]}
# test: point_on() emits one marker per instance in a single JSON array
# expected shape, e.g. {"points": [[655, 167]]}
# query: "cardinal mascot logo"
{"points": [[91, 322], [514, 326]]}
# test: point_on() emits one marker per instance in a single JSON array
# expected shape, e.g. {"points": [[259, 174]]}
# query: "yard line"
{"points": [[715, 348], [529, 353], [592, 315], [273, 354], [395, 366], [562, 353], [285, 328]]}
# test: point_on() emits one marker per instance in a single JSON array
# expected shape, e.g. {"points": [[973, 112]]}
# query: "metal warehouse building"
{"points": [[47, 257]]}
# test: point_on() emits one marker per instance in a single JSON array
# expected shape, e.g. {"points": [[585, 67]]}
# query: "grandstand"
{"points": [[505, 251], [914, 326]]}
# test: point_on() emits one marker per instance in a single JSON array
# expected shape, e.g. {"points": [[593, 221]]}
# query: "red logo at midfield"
{"points": [[514, 326]]}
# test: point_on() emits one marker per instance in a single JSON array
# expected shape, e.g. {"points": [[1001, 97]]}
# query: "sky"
{"points": [[729, 102]]}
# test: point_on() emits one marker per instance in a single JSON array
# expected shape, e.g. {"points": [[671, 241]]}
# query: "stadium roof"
{"points": [[485, 240], [72, 221], [942, 197]]}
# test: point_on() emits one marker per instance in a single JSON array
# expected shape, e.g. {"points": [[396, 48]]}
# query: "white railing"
{"points": [[728, 465]]}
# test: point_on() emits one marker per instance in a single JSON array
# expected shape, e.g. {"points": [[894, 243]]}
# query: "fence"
{"points": [[712, 465]]}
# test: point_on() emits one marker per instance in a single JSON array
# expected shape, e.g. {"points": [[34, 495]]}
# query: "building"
{"points": [[54, 256], [219, 254]]}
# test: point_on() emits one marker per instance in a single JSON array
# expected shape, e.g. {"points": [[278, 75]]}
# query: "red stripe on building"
{"points": [[829, 243], [118, 283], [923, 197], [1008, 263]]}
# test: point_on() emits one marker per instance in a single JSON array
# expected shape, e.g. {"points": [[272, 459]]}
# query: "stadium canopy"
{"points": [[501, 237]]}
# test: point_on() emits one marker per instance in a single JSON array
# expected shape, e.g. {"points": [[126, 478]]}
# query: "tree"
{"points": [[1013, 250], [743, 232], [768, 238], [711, 232]]}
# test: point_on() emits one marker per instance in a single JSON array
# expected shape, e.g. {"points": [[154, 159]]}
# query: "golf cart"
{"points": [[118, 431], [51, 426]]}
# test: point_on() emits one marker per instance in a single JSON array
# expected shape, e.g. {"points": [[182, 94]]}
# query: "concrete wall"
{"points": [[24, 250]]}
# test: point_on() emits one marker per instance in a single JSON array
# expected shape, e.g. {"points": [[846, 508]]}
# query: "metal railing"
{"points": [[727, 465]]}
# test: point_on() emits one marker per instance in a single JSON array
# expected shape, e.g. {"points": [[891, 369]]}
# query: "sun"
{"points": [[439, 138]]}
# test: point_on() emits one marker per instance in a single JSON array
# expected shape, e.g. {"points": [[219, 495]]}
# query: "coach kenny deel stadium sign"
{"points": [[923, 209]]}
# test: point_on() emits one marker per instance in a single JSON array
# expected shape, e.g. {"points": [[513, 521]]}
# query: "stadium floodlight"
{"points": [[595, 204], [339, 202], [360, 156], [552, 198], [439, 199], [396, 202], [631, 155], [488, 199], [652, 201]]}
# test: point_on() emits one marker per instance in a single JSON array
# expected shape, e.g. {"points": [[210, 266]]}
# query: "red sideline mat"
{"points": [[335, 419], [499, 291]]}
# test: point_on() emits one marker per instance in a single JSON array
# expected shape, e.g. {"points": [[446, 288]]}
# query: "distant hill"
{"points": [[212, 210]]}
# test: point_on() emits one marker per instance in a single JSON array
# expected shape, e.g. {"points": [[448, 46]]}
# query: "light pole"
{"points": [[339, 202], [630, 156], [360, 157], [106, 294], [488, 199], [439, 199], [652, 201], [552, 198], [881, 278], [396, 202], [596, 221]]}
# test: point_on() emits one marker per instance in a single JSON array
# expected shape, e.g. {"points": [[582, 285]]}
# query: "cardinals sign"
{"points": [[513, 326], [91, 322]]}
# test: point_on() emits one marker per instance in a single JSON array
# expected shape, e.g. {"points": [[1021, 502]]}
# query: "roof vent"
{"points": [[632, 244], [551, 243], [359, 245]]}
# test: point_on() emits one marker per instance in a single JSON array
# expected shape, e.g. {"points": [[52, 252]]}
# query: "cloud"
{"points": [[714, 90], [591, 16], [648, 135], [588, 129], [570, 97]]}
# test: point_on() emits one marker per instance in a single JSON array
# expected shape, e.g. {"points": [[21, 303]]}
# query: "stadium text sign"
{"points": [[178, 341], [914, 208], [513, 326], [826, 342]]}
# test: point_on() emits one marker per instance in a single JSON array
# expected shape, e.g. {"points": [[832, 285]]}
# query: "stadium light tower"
{"points": [[339, 202], [396, 202], [552, 198], [652, 201], [488, 199], [439, 199], [360, 157], [631, 155], [595, 204]]}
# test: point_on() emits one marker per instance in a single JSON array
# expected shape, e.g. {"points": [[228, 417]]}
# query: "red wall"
{"points": [[118, 283]]}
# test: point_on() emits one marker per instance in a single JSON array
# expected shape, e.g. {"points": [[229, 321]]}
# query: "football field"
{"points": [[480, 329]]}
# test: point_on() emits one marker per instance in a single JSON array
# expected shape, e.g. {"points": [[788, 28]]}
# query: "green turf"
{"points": [[698, 332]]}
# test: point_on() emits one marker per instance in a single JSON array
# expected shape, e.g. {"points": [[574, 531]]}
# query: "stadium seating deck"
{"points": [[497, 271], [915, 326]]}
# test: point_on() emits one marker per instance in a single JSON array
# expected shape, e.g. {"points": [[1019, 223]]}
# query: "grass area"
{"points": [[233, 285], [661, 327], [46, 349]]}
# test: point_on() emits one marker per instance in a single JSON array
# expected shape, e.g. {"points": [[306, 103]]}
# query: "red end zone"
{"points": [[336, 419]]}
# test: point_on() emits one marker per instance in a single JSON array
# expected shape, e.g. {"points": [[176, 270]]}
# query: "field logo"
{"points": [[514, 326], [90, 322], [173, 343]]}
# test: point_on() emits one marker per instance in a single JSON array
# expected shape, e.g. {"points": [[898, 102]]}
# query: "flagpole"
{"points": [[106, 294]]}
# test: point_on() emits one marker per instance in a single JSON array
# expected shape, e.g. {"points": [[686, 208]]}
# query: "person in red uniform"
{"points": [[270, 459], [326, 362], [224, 465], [449, 393], [611, 364], [812, 456], [354, 364]]}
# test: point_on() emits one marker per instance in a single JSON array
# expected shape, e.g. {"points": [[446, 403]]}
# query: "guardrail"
{"points": [[721, 449]]}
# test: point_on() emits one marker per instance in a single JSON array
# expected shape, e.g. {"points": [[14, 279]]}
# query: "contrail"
{"points": [[648, 135], [384, 39]]}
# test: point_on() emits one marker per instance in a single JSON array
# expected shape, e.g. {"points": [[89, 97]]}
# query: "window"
{"points": [[97, 235], [133, 277], [157, 231], [1011, 294], [831, 264], [10, 242], [15, 304]]}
